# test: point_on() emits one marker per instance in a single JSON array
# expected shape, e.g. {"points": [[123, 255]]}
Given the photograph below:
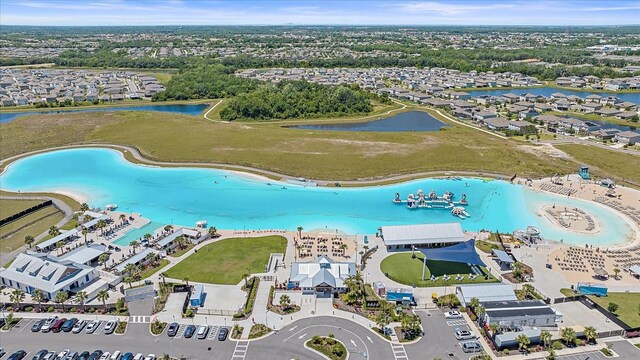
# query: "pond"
{"points": [[233, 200], [406, 121], [187, 109], [547, 91]]}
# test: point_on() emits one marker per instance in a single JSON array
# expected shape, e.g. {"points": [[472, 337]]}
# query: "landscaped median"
{"points": [[258, 331], [328, 346]]}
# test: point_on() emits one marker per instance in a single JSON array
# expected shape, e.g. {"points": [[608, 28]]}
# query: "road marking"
{"points": [[213, 331], [399, 351], [25, 326], [366, 348], [138, 319], [456, 322], [240, 352], [353, 342], [301, 336], [368, 338], [293, 328]]}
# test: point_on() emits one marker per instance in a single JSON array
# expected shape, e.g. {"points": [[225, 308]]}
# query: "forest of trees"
{"points": [[297, 99]]}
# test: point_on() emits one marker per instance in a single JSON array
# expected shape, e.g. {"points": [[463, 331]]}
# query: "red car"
{"points": [[57, 326]]}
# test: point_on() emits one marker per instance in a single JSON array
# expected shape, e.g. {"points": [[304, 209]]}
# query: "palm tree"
{"points": [[300, 228], [130, 269], [590, 333], [480, 311], [168, 228], [285, 302], [86, 218], [129, 279], [103, 296], [29, 240], [60, 245], [54, 231], [474, 303], [82, 296], [38, 296], [122, 218], [523, 342], [84, 233], [545, 338], [101, 225], [151, 258], [61, 298], [102, 259], [163, 276], [16, 297], [186, 280], [568, 335], [84, 207], [148, 237], [298, 248], [616, 271], [245, 275], [134, 244], [213, 231], [494, 329]]}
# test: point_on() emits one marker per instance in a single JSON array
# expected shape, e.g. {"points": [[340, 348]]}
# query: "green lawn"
{"points": [[10, 207], [12, 234], [605, 163], [487, 247], [629, 306], [404, 269], [150, 271], [567, 292], [224, 261]]}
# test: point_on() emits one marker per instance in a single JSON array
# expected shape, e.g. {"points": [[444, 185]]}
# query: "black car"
{"points": [[18, 355], [40, 354], [38, 325], [189, 331], [223, 333], [95, 355], [68, 325], [173, 329], [84, 356]]}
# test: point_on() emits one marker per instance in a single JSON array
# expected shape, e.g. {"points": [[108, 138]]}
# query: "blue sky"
{"points": [[328, 12]]}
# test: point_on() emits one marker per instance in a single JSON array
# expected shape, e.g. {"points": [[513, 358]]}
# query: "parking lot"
{"points": [[136, 339], [591, 355]]}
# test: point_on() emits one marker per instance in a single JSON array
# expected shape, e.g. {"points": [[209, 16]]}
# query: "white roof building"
{"points": [[322, 276], [422, 235], [485, 292]]}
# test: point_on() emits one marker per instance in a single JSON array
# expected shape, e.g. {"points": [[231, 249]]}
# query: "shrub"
{"points": [[505, 352], [556, 345], [157, 327], [72, 310], [121, 327], [51, 309], [579, 342], [606, 351], [28, 308]]}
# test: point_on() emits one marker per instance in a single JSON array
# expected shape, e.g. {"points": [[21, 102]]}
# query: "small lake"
{"points": [[547, 91], [406, 121], [186, 109]]}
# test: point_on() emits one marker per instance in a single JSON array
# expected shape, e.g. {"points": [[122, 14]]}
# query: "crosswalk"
{"points": [[137, 319], [399, 351], [459, 322], [240, 352]]}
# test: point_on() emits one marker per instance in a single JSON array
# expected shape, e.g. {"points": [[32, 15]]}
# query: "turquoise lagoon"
{"points": [[231, 200]]}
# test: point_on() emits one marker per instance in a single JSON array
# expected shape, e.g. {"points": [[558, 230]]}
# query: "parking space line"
{"points": [[27, 325], [213, 332], [240, 351]]}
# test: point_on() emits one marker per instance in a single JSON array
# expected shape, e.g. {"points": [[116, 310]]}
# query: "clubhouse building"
{"points": [[406, 237], [322, 277]]}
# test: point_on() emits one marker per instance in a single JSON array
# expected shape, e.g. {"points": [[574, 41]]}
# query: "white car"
{"points": [[465, 335], [47, 325], [105, 356], [92, 326], [452, 315], [62, 354], [150, 357], [116, 355], [138, 356], [77, 328]]}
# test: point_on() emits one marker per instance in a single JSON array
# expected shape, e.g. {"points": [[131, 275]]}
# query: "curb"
{"points": [[321, 354]]}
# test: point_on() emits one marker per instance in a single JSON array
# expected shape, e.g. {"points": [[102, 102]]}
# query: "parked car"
{"points": [[173, 329], [138, 356], [57, 326], [71, 356], [92, 327], [62, 354], [40, 354], [116, 355], [203, 331], [105, 356], [109, 327], [48, 324], [471, 346], [50, 356], [465, 335], [127, 356], [77, 328], [452, 315], [223, 333], [84, 355], [150, 357], [2, 352], [189, 331], [69, 324], [37, 326], [95, 355], [18, 355]]}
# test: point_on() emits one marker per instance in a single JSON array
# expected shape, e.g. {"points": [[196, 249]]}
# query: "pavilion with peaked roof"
{"points": [[322, 277]]}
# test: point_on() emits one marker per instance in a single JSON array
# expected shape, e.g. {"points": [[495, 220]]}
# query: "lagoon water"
{"points": [[547, 91], [230, 200], [406, 121], [187, 109]]}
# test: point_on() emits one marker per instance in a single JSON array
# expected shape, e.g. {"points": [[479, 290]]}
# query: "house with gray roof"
{"points": [[51, 274], [322, 277]]}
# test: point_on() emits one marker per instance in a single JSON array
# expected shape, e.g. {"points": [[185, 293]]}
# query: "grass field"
{"points": [[10, 207], [224, 261], [629, 306], [12, 234], [606, 163], [404, 269], [65, 199], [326, 155]]}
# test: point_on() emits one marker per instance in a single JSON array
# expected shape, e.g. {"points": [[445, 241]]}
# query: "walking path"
{"points": [[211, 109]]}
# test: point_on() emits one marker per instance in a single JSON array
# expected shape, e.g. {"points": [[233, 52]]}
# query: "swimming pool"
{"points": [[138, 233], [230, 200]]}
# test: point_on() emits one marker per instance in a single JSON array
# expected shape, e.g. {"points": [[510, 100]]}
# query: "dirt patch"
{"points": [[362, 147], [544, 150]]}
